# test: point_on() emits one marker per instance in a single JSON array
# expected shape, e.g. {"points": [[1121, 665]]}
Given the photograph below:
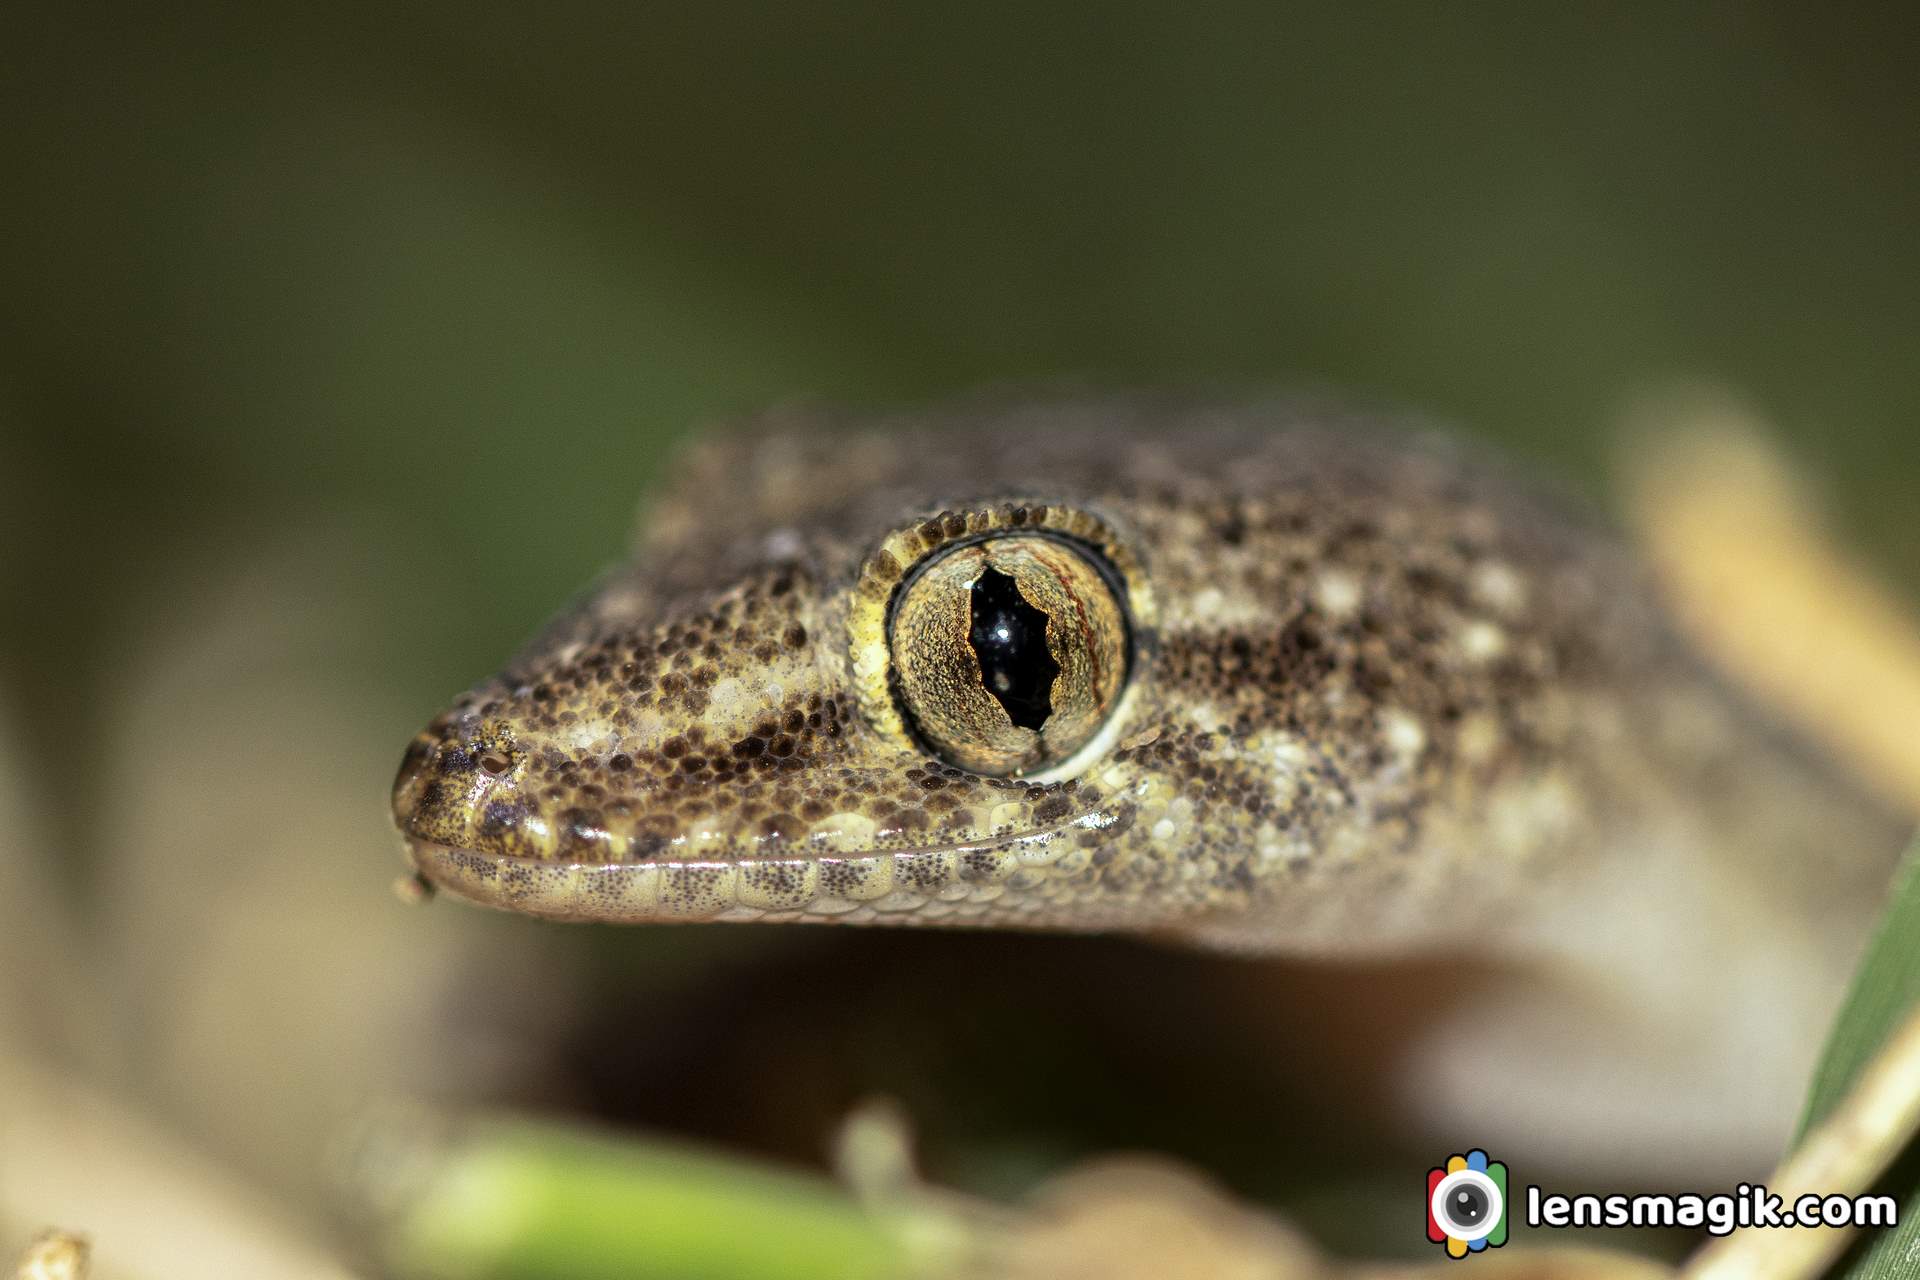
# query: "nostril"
{"points": [[495, 763]]}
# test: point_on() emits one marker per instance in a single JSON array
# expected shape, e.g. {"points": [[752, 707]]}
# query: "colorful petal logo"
{"points": [[1467, 1204]]}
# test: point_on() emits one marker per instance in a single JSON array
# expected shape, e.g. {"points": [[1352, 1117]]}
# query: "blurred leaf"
{"points": [[1885, 990], [523, 1199]]}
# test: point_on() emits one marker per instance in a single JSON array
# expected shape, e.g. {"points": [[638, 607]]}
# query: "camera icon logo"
{"points": [[1467, 1204]]}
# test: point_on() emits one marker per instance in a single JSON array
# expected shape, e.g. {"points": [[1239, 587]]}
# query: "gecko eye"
{"points": [[1009, 653]]}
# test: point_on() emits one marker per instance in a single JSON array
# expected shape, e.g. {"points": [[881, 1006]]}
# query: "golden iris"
{"points": [[1008, 653]]}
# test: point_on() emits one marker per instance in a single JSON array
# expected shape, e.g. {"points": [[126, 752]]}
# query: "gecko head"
{"points": [[921, 721]]}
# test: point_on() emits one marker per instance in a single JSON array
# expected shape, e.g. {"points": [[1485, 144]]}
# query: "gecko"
{"points": [[1282, 677]]}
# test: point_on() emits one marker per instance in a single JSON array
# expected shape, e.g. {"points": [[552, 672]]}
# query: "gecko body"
{"points": [[1377, 694]]}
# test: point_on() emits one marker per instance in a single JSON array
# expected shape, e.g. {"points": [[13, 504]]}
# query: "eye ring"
{"points": [[898, 554], [1009, 650]]}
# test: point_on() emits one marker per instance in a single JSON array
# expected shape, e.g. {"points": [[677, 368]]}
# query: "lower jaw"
{"points": [[963, 884]]}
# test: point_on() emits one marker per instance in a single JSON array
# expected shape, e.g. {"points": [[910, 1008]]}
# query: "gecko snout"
{"points": [[413, 777], [460, 783]]}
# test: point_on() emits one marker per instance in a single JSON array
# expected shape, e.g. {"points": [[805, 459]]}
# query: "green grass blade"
{"points": [[1886, 988], [509, 1199]]}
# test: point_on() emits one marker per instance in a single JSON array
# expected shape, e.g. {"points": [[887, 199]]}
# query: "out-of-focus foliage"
{"points": [[1885, 992], [462, 270], [514, 1199]]}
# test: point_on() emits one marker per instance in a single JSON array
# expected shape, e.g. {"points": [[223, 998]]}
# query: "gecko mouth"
{"points": [[939, 884], [504, 822]]}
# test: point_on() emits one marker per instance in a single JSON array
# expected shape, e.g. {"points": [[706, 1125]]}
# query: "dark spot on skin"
{"points": [[781, 826], [1354, 531], [1009, 637], [796, 636], [480, 868], [978, 866], [1300, 657], [1374, 676], [1423, 580], [620, 763], [580, 828], [501, 816], [1052, 809]]}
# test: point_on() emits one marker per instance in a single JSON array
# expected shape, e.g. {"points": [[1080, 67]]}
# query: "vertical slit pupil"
{"points": [[1009, 637]]}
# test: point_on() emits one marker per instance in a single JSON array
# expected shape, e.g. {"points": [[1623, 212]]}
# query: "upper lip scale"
{"points": [[416, 843]]}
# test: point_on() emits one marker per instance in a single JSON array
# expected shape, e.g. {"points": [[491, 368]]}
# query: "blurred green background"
{"points": [[458, 272], [339, 344]]}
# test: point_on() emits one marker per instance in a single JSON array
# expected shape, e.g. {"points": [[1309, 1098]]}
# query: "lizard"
{"points": [[1273, 677]]}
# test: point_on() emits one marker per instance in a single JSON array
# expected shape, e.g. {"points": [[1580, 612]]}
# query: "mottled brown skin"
{"points": [[1381, 695]]}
